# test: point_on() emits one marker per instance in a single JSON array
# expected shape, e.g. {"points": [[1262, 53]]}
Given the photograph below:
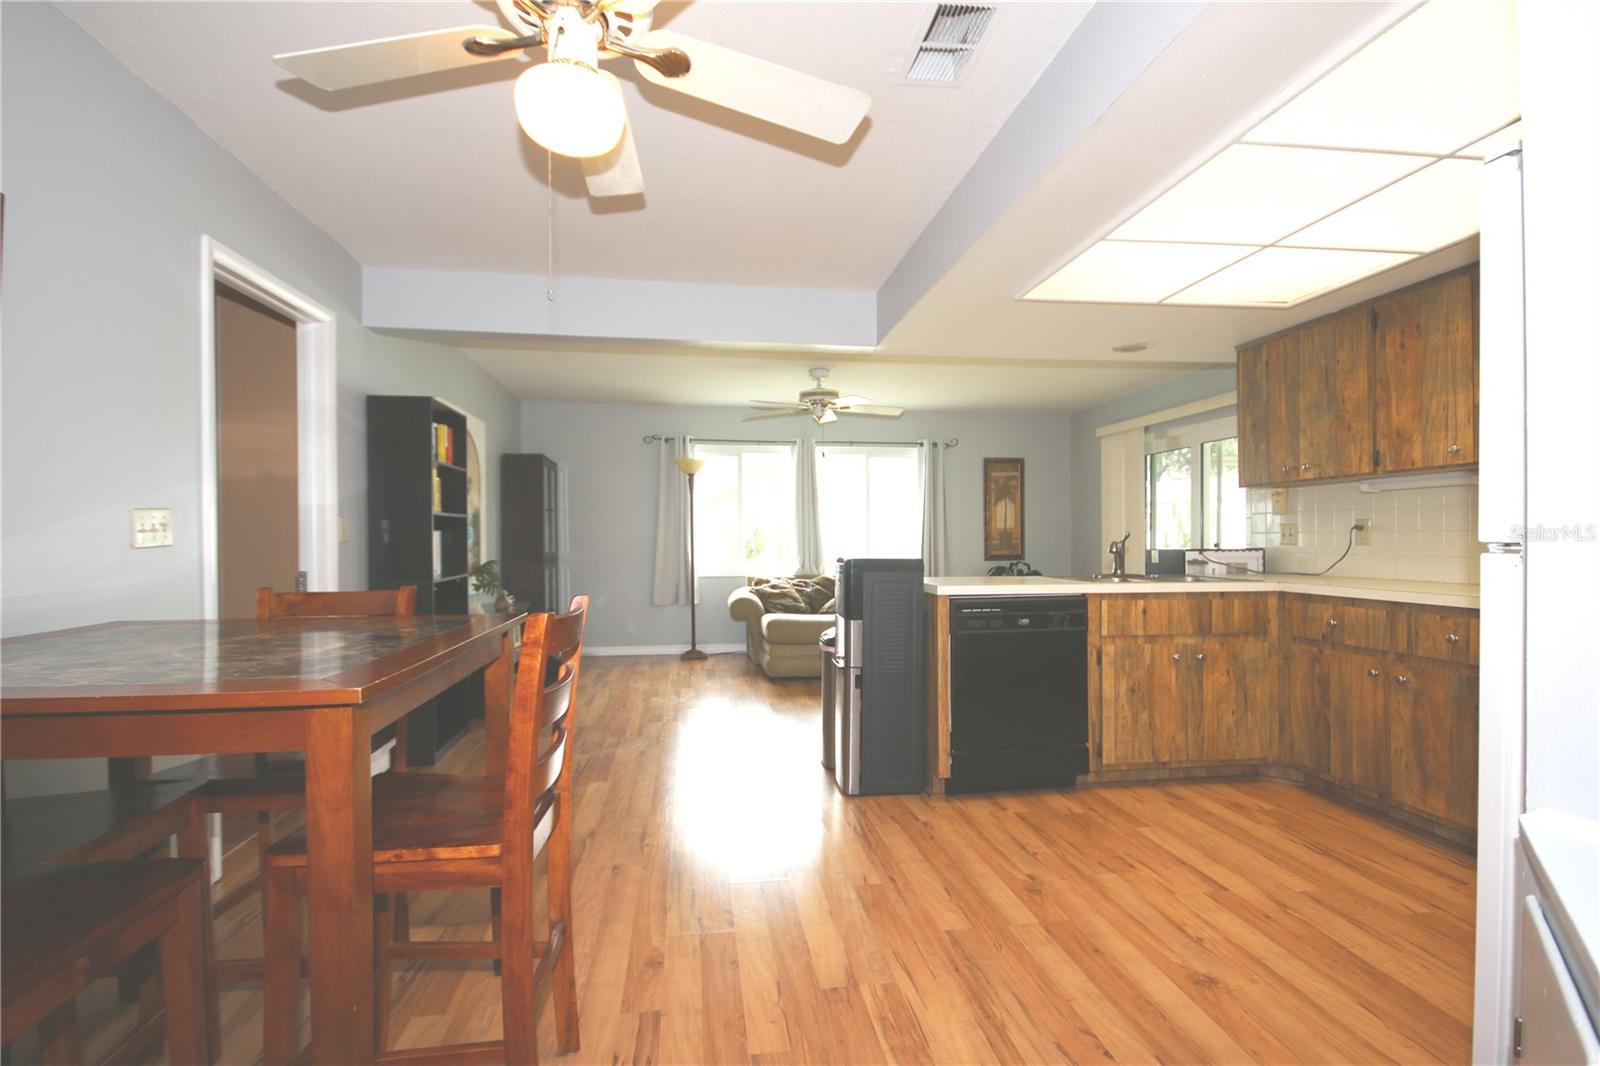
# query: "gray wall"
{"points": [[1088, 554], [108, 191], [611, 498]]}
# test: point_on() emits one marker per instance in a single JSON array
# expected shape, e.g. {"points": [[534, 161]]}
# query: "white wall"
{"points": [[611, 498], [108, 191]]}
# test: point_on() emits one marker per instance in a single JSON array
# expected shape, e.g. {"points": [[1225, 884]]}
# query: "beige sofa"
{"points": [[783, 645]]}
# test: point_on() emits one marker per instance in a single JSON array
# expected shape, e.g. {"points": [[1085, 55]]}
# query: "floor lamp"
{"points": [[691, 467]]}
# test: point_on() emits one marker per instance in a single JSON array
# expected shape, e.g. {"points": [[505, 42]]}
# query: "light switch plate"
{"points": [[152, 527], [1288, 534], [1280, 501]]}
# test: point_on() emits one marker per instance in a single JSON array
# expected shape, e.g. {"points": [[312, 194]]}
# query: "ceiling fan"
{"points": [[572, 107], [822, 404]]}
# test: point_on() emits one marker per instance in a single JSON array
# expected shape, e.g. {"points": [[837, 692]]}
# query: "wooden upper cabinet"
{"points": [[1334, 396], [1425, 360], [1386, 386]]}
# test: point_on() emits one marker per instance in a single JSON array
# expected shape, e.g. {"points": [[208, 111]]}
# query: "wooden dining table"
{"points": [[318, 685]]}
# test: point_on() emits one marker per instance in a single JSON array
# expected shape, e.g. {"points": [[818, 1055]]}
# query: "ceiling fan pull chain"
{"points": [[550, 225]]}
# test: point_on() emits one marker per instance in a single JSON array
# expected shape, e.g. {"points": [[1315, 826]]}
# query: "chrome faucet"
{"points": [[1119, 555]]}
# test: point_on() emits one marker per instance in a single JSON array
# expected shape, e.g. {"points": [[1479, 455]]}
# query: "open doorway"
{"points": [[240, 301], [258, 472]]}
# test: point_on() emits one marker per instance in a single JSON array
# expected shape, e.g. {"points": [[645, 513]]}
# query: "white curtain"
{"points": [[672, 524], [807, 513], [935, 539]]}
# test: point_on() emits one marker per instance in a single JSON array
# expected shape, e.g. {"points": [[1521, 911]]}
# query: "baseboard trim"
{"points": [[661, 649]]}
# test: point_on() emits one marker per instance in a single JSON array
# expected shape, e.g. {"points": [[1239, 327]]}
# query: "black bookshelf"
{"points": [[530, 560], [405, 516]]}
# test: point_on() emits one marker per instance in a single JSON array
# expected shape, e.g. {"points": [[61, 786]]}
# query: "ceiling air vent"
{"points": [[948, 43]]}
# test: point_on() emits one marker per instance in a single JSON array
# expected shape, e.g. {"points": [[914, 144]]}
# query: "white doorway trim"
{"points": [[317, 388]]}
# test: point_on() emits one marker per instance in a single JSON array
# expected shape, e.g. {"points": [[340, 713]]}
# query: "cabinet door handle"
{"points": [[1333, 623], [1402, 679], [1372, 672], [1286, 468], [1177, 657], [1451, 638], [1305, 467], [1454, 449], [1199, 656]]}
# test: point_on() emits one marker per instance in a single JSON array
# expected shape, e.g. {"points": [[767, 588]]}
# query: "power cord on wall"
{"points": [[1350, 543]]}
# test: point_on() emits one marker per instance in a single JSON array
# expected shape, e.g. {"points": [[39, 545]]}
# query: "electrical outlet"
{"points": [[1280, 501], [1363, 537], [1288, 534], [152, 527]]}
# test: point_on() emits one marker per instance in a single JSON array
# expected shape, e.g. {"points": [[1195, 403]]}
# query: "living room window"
{"points": [[870, 501], [744, 510]]}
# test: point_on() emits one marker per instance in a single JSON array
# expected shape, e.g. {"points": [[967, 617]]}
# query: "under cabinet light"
{"points": [[1135, 271], [1256, 194], [1277, 277], [1430, 209]]}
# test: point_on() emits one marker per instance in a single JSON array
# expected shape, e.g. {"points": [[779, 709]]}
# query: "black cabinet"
{"points": [[530, 558], [417, 535]]}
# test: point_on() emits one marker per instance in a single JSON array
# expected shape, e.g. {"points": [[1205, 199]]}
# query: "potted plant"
{"points": [[486, 581]]}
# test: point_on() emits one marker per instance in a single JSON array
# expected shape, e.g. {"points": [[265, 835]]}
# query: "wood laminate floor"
{"points": [[732, 907]]}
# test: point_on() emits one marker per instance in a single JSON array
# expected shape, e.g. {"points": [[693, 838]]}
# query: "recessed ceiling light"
{"points": [[1255, 194], [1135, 272], [1129, 349], [1277, 277], [1442, 76], [1428, 210]]}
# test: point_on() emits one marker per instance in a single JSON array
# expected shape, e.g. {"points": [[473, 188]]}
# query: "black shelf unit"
{"points": [[402, 520], [530, 558]]}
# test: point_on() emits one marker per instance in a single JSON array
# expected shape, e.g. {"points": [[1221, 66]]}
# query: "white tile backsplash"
{"points": [[1417, 534]]}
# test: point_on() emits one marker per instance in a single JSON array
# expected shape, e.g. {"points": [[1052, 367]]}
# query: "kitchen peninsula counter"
{"points": [[1421, 593]]}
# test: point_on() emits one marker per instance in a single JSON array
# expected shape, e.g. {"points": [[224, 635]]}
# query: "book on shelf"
{"points": [[438, 554], [438, 492]]}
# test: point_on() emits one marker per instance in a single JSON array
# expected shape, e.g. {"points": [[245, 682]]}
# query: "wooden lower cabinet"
{"points": [[1382, 703], [1433, 740], [1185, 700], [1357, 739]]}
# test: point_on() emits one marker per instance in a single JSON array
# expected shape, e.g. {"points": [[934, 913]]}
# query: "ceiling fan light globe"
{"points": [[570, 109]]}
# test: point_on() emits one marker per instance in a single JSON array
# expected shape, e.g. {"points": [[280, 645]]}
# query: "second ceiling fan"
{"points": [[572, 107]]}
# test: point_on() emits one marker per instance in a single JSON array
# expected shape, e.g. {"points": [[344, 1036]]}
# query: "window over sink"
{"points": [[1193, 498]]}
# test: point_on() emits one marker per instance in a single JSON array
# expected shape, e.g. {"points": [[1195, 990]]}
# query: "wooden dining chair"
{"points": [[266, 784], [442, 831], [68, 926]]}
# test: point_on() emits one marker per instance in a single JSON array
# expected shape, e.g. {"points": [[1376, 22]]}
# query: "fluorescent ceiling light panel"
{"points": [[1428, 210], [1278, 277], [1498, 143], [1253, 194], [1135, 272], [1441, 77]]}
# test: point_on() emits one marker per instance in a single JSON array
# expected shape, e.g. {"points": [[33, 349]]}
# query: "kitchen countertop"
{"points": [[1429, 593]]}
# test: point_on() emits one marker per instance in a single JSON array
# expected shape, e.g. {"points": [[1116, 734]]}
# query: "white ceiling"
{"points": [[434, 171], [434, 174]]}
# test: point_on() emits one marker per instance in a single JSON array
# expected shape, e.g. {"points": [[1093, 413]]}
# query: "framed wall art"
{"points": [[1002, 508]]}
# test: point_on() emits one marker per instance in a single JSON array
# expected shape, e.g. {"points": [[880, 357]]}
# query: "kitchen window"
{"points": [[870, 501], [744, 510], [1192, 494]]}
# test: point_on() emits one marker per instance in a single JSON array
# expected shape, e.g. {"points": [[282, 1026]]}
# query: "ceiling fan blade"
{"points": [[788, 404], [346, 66], [852, 401], [756, 416], [756, 87], [828, 415], [873, 410], [617, 172]]}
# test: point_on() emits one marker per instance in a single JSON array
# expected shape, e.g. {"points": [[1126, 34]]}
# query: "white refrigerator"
{"points": [[1502, 518]]}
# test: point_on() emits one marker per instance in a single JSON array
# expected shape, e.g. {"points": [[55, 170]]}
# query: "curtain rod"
{"points": [[653, 438]]}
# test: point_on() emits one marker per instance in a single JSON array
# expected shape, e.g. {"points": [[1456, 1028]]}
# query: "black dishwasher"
{"points": [[1019, 692]]}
